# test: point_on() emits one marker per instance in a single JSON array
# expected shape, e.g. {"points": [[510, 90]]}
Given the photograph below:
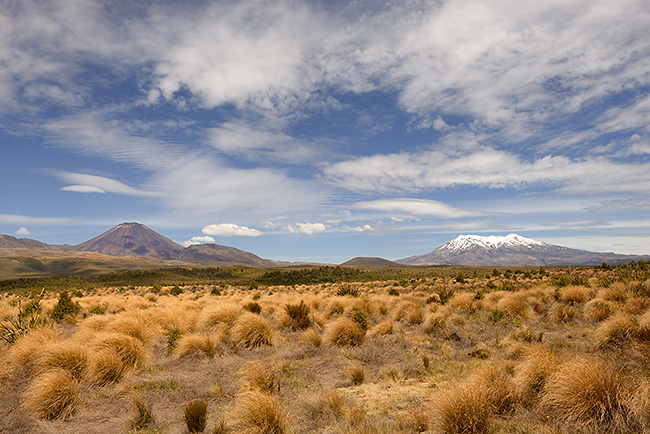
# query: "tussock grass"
{"points": [[588, 390], [311, 337], [461, 408], [105, 367], [222, 314], [262, 379], [383, 328], [252, 331], [195, 415], [531, 374], [260, 413], [206, 344], [574, 294], [357, 373], [142, 414], [344, 332], [616, 331], [67, 355], [599, 309], [53, 395], [24, 353], [130, 350]]}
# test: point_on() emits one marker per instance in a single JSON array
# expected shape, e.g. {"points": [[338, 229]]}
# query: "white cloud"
{"points": [[22, 231], [306, 228], [195, 241], [415, 207], [230, 230], [99, 184], [34, 221], [83, 189], [486, 167]]}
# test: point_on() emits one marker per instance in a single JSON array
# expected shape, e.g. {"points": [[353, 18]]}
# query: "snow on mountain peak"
{"points": [[463, 242]]}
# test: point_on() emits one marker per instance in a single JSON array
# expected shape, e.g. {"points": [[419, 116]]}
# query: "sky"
{"points": [[325, 130]]}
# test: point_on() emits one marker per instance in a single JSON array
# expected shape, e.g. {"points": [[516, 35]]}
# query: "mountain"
{"points": [[511, 250], [361, 261], [9, 242], [132, 239], [216, 255]]}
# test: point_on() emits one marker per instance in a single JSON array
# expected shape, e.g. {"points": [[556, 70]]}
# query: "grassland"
{"points": [[323, 350]]}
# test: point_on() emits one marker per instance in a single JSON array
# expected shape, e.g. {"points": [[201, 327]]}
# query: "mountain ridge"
{"points": [[511, 250]]}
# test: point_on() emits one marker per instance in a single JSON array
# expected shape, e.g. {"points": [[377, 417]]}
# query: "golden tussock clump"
{"points": [[24, 352], [67, 355], [462, 408], [531, 374], [53, 395], [513, 304], [129, 349], [636, 305], [462, 300], [436, 320], [222, 314], [343, 332], [616, 331], [587, 390], [599, 309], [105, 367], [311, 337], [616, 293], [198, 343], [260, 413], [644, 327], [383, 328], [262, 379], [136, 325], [497, 384], [251, 330], [574, 294]]}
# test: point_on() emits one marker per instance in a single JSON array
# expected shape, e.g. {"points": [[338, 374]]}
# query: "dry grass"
{"points": [[260, 413], [531, 374], [206, 344], [53, 395], [588, 390], [67, 355], [616, 331], [252, 331], [462, 408], [262, 379], [344, 332]]}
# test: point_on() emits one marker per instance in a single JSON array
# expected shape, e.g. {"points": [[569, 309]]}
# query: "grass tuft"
{"points": [[142, 415], [344, 332], [195, 415], [252, 331], [53, 395], [259, 413]]}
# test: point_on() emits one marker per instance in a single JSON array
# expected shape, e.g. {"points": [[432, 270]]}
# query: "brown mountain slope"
{"points": [[132, 239]]}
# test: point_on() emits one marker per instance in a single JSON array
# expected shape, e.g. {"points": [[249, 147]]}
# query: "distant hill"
{"points": [[9, 242], [511, 250], [361, 261], [215, 255], [132, 239]]}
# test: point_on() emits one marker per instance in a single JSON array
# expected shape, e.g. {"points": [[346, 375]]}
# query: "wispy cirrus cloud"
{"points": [[415, 207]]}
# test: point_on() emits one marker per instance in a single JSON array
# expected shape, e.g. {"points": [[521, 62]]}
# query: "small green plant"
{"points": [[215, 291], [65, 307], [156, 289], [393, 292], [360, 317], [496, 315], [172, 339], [346, 289], [196, 416], [256, 296], [176, 290], [253, 307], [298, 315], [460, 278], [445, 294], [96, 310], [142, 415]]}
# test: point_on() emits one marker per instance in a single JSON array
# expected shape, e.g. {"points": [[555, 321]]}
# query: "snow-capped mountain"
{"points": [[511, 250]]}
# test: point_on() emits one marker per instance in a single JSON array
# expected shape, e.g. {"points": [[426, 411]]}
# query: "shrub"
{"points": [[259, 413], [253, 307], [298, 315], [445, 294], [347, 289], [215, 291], [360, 317], [172, 339], [96, 310], [156, 289], [587, 390], [142, 414], [252, 331], [393, 292], [196, 416], [65, 307], [53, 395], [344, 332], [176, 290]]}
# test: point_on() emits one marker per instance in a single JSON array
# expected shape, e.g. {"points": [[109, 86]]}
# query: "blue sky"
{"points": [[320, 131]]}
